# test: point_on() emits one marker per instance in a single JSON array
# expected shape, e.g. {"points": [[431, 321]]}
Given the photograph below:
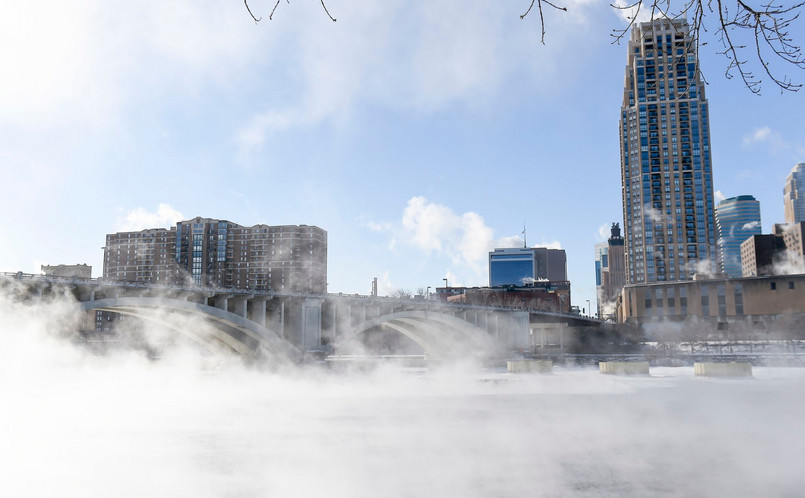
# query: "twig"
{"points": [[246, 3]]}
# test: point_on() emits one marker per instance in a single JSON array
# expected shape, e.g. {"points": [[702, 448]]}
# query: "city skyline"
{"points": [[419, 143]]}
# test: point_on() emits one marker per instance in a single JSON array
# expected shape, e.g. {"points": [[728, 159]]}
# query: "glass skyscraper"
{"points": [[666, 174], [794, 195], [737, 219]]}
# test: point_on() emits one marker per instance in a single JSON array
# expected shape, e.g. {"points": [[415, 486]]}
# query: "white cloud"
{"points": [[434, 228], [418, 57], [765, 136], [464, 240], [378, 227], [86, 62], [751, 225], [140, 219], [719, 196]]}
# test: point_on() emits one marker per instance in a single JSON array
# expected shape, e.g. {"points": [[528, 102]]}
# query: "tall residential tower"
{"points": [[667, 184]]}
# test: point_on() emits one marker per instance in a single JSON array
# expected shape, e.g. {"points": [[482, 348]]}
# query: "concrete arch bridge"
{"points": [[284, 327]]}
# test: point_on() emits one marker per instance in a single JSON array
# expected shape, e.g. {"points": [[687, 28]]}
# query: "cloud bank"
{"points": [[140, 218]]}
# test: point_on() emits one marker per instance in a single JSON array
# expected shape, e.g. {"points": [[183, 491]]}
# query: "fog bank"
{"points": [[76, 424]]}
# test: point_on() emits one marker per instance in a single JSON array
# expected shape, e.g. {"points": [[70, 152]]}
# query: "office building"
{"points": [[610, 272], [667, 184], [737, 219], [758, 253], [793, 260], [794, 195], [600, 250], [780, 253], [219, 253], [526, 265]]}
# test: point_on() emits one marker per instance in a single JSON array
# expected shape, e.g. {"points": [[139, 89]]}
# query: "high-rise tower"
{"points": [[794, 195], [737, 219], [610, 277], [666, 174]]}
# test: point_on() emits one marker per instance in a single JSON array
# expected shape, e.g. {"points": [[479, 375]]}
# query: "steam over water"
{"points": [[72, 424]]}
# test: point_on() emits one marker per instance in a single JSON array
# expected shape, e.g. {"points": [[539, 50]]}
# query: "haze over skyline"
{"points": [[419, 136]]}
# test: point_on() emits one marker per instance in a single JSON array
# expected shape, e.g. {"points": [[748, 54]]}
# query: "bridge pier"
{"points": [[240, 305], [221, 301], [258, 309], [548, 336], [311, 324]]}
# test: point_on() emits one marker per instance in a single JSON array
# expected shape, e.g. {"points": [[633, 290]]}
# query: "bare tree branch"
{"points": [[246, 3], [768, 27], [327, 11], [764, 32], [274, 9], [541, 16]]}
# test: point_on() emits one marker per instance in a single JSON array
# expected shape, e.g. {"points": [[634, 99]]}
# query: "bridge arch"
{"points": [[441, 335], [227, 331]]}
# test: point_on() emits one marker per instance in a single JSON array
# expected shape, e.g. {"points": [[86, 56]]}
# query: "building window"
{"points": [[773, 285], [790, 284], [705, 301], [739, 299]]}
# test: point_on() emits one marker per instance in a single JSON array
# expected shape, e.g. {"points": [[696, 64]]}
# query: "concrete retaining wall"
{"points": [[723, 369], [529, 366], [623, 367]]}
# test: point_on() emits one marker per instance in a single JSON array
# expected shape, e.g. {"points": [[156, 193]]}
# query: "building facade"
{"points": [[780, 253], [219, 253], [758, 253], [542, 296], [525, 265], [755, 300], [794, 195], [667, 184], [737, 219], [68, 271]]}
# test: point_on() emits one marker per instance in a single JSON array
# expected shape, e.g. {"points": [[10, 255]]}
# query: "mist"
{"points": [[78, 423]]}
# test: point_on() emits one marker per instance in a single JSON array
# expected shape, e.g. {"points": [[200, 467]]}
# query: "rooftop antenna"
{"points": [[525, 244]]}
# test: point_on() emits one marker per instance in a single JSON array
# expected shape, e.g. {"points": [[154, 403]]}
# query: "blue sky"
{"points": [[420, 135]]}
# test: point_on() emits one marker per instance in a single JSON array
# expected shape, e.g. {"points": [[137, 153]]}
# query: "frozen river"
{"points": [[128, 428], [77, 425]]}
